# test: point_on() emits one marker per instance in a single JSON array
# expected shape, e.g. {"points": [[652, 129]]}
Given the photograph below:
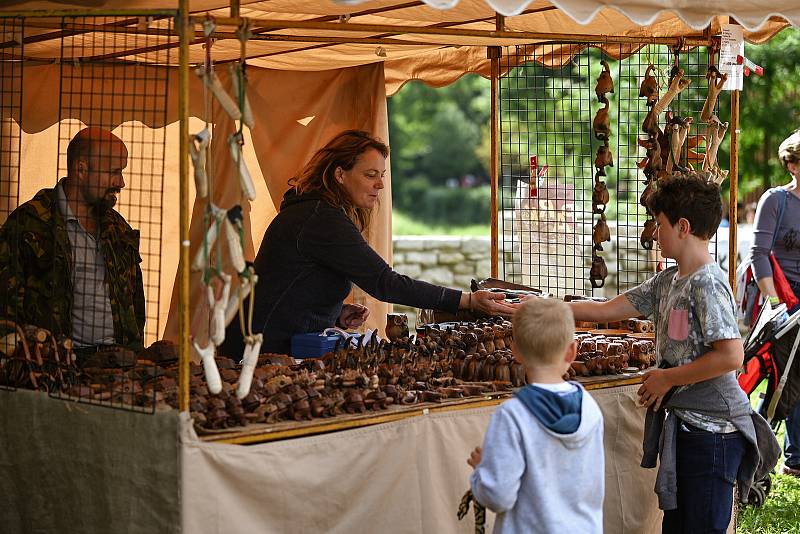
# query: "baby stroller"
{"points": [[769, 354]]}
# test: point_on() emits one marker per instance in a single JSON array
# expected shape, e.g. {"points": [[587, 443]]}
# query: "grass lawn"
{"points": [[402, 224], [781, 511]]}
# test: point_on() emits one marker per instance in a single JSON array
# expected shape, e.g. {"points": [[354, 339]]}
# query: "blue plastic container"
{"points": [[312, 345]]}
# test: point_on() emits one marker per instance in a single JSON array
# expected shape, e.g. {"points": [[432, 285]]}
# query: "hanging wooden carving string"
{"points": [[225, 225], [601, 126], [715, 130], [662, 147]]}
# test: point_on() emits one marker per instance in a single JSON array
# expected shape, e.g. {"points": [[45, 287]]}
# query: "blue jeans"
{"points": [[706, 471], [791, 439]]}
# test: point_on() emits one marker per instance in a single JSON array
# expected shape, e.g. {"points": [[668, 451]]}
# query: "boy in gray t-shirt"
{"points": [[696, 341], [694, 311]]}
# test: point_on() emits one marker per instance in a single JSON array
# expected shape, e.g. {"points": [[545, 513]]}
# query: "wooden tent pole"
{"points": [[734, 193], [493, 53], [183, 158]]}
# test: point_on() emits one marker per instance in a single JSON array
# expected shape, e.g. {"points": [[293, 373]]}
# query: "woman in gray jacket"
{"points": [[784, 231]]}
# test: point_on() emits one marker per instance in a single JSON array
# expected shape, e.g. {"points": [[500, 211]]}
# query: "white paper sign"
{"points": [[732, 46]]}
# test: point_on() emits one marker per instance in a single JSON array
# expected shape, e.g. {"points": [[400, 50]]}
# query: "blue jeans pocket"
{"points": [[732, 453], [697, 456]]}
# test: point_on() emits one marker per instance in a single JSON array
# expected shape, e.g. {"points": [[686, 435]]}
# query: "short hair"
{"points": [[789, 149], [543, 329], [691, 196]]}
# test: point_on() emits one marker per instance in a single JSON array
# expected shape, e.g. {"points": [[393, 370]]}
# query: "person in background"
{"points": [[787, 253], [699, 423], [69, 262], [314, 251], [550, 427]]}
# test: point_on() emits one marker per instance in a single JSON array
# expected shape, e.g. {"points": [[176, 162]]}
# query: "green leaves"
{"points": [[438, 134]]}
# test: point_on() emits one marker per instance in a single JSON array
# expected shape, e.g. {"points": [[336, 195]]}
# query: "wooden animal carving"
{"points": [[716, 132], [604, 83], [648, 234], [679, 130], [601, 233], [601, 125], [652, 163], [598, 272], [649, 87], [716, 81], [600, 196], [603, 157], [677, 84], [396, 326]]}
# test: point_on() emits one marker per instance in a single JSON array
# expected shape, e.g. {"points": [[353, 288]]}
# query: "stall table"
{"points": [[72, 467]]}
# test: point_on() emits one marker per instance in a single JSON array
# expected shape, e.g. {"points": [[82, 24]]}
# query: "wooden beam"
{"points": [[33, 23], [31, 13], [733, 175], [493, 53], [438, 25], [184, 322], [693, 40]]}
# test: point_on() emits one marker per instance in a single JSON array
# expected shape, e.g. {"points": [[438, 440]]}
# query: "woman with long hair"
{"points": [[314, 250], [777, 230]]}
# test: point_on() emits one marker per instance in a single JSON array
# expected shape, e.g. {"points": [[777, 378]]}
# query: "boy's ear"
{"points": [[684, 226], [572, 352]]}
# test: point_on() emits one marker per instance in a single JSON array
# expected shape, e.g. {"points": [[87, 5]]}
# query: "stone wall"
{"points": [[451, 261]]}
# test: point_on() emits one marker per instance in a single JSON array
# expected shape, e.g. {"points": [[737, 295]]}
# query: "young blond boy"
{"points": [[711, 437], [541, 468]]}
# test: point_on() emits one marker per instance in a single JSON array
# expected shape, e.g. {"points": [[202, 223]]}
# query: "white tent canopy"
{"points": [[698, 15]]}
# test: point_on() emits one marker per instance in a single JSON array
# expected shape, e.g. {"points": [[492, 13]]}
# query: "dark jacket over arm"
{"points": [[311, 254]]}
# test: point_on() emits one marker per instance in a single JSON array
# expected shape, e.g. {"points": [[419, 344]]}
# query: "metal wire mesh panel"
{"points": [[634, 263], [106, 93], [547, 151], [11, 53], [82, 258], [545, 168]]}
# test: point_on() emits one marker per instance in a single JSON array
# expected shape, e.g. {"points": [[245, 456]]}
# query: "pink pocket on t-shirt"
{"points": [[678, 328]]}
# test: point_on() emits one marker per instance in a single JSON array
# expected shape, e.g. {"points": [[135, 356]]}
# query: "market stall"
{"points": [[311, 71], [90, 469]]}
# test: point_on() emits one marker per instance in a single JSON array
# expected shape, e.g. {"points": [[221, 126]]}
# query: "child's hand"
{"points": [[475, 458], [655, 384]]}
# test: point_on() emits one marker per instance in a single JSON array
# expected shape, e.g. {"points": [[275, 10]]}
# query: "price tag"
{"points": [[731, 48]]}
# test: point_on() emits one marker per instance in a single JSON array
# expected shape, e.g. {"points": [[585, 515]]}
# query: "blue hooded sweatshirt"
{"points": [[559, 412]]}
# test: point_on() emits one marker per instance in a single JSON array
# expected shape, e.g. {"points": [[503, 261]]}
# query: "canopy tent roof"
{"points": [[413, 39]]}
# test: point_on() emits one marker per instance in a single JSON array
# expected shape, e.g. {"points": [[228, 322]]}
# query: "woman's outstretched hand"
{"points": [[352, 316], [489, 303]]}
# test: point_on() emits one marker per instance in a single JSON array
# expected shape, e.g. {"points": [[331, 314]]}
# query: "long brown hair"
{"points": [[318, 174]]}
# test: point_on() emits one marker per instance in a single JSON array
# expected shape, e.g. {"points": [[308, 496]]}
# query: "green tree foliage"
{"points": [[439, 205], [769, 111], [437, 134], [440, 133]]}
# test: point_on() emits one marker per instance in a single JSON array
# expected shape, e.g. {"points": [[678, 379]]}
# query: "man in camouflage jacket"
{"points": [[36, 260]]}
